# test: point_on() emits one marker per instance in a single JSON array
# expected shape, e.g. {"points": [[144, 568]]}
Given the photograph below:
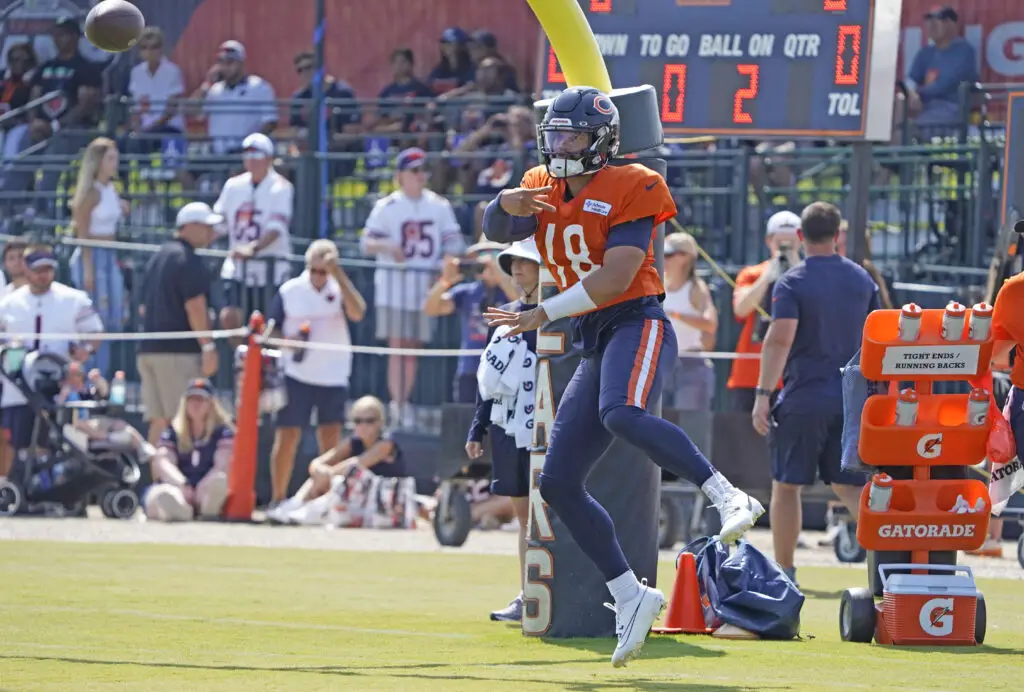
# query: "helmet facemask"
{"points": [[568, 151]]}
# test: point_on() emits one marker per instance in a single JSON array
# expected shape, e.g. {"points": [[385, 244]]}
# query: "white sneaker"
{"points": [[633, 622], [739, 514], [279, 513], [216, 494]]}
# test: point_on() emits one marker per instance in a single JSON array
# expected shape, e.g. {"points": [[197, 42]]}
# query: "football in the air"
{"points": [[114, 25]]}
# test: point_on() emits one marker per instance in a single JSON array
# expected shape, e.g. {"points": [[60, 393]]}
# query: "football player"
{"points": [[593, 225], [257, 208]]}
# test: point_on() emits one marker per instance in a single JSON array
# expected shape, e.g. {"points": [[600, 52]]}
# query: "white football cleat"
{"points": [[633, 622], [740, 513]]}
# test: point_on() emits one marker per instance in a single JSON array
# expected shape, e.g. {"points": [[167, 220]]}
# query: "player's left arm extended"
{"points": [[624, 254]]}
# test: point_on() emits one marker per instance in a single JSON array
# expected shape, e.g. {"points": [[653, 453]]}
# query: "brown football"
{"points": [[114, 25]]}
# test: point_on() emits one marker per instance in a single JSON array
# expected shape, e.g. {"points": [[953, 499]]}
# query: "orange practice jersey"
{"points": [[572, 240], [1008, 323]]}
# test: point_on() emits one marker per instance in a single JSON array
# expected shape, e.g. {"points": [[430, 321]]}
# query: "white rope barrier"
{"points": [[219, 334], [124, 336]]}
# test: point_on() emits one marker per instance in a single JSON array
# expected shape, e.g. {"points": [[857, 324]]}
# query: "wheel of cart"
{"points": [[1020, 550], [844, 535], [857, 616], [453, 518]]}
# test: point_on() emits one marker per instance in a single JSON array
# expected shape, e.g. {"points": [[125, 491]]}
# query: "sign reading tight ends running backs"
{"points": [[786, 68]]}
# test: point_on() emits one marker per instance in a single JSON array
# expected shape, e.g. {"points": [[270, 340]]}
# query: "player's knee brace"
{"points": [[620, 420]]}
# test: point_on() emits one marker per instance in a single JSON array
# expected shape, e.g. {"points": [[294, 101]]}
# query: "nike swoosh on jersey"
{"points": [[651, 186]]}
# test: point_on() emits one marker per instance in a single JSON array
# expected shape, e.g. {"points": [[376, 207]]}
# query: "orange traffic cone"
{"points": [[685, 614]]}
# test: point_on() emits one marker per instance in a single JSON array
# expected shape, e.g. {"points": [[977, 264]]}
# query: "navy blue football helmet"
{"points": [[579, 133]]}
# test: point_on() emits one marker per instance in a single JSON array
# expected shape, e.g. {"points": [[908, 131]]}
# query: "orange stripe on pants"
{"points": [[640, 377], [660, 326]]}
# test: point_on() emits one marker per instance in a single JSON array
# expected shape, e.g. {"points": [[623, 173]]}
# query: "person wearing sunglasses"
{"points": [[156, 86], [315, 306], [43, 306], [344, 116], [370, 447]]}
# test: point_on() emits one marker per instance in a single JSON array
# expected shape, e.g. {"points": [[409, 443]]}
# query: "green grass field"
{"points": [[152, 618]]}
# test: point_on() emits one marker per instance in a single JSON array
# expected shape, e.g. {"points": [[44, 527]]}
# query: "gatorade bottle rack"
{"points": [[922, 603]]}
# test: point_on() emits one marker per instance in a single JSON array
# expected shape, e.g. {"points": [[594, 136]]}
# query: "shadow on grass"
{"points": [[407, 671], [973, 650], [656, 647]]}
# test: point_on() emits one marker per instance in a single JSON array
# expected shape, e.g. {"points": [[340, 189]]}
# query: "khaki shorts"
{"points": [[395, 323], [165, 377]]}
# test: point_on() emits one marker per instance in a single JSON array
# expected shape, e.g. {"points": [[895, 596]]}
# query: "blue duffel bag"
{"points": [[746, 589], [856, 390]]}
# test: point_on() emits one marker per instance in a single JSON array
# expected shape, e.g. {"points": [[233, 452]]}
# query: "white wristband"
{"points": [[573, 301]]}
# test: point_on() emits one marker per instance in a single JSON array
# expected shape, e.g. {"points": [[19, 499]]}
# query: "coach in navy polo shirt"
{"points": [[818, 313]]}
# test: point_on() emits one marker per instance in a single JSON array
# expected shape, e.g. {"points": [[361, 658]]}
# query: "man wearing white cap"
{"points": [[43, 306], [175, 298], [257, 208], [753, 290], [235, 104]]}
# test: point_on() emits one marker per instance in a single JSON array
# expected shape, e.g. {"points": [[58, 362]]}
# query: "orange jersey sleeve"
{"points": [[647, 195], [1008, 323]]}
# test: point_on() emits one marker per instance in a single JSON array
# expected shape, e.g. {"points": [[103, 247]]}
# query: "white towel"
{"points": [[506, 376]]}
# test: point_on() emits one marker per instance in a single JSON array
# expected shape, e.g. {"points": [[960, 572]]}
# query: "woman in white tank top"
{"points": [[96, 211], [691, 309]]}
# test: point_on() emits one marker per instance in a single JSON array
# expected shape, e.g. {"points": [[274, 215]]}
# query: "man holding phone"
{"points": [[467, 287], [754, 290]]}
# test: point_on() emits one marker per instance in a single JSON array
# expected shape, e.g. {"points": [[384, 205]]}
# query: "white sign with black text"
{"points": [[930, 360]]}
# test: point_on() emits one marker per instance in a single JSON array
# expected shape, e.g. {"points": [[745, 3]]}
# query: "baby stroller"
{"points": [[58, 476]]}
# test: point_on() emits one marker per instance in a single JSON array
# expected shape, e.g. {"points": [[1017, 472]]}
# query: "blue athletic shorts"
{"points": [[329, 403], [808, 444]]}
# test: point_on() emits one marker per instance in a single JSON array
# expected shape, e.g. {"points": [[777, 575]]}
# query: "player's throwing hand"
{"points": [[518, 322], [524, 201]]}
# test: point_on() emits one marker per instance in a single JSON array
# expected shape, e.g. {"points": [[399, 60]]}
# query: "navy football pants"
{"points": [[608, 395]]}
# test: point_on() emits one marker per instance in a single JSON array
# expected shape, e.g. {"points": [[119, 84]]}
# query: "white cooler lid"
{"points": [[931, 584]]}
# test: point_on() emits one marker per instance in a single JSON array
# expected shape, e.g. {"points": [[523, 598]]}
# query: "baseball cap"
{"points": [[68, 23], [257, 143], [680, 242], [454, 34], [783, 222], [232, 50], [200, 387], [198, 212], [40, 259], [944, 12], [484, 38], [413, 157], [523, 249]]}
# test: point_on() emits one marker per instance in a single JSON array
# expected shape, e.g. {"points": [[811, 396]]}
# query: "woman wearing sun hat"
{"points": [[510, 474]]}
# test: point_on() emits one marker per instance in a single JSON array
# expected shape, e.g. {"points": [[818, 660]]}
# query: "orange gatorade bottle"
{"points": [[977, 407], [953, 321], [910, 322], [906, 407], [880, 494], [981, 322]]}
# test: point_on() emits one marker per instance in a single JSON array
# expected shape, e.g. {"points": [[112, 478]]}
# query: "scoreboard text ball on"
{"points": [[821, 69]]}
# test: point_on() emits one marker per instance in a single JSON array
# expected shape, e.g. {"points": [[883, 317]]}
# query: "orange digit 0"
{"points": [[848, 74], [672, 109]]}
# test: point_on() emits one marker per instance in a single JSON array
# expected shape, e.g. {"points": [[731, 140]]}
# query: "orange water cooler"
{"points": [[920, 508]]}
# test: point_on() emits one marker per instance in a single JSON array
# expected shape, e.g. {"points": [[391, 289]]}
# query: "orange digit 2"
{"points": [[740, 116]]}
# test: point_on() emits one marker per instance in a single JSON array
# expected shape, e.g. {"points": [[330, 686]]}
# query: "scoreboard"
{"points": [[820, 69]]}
